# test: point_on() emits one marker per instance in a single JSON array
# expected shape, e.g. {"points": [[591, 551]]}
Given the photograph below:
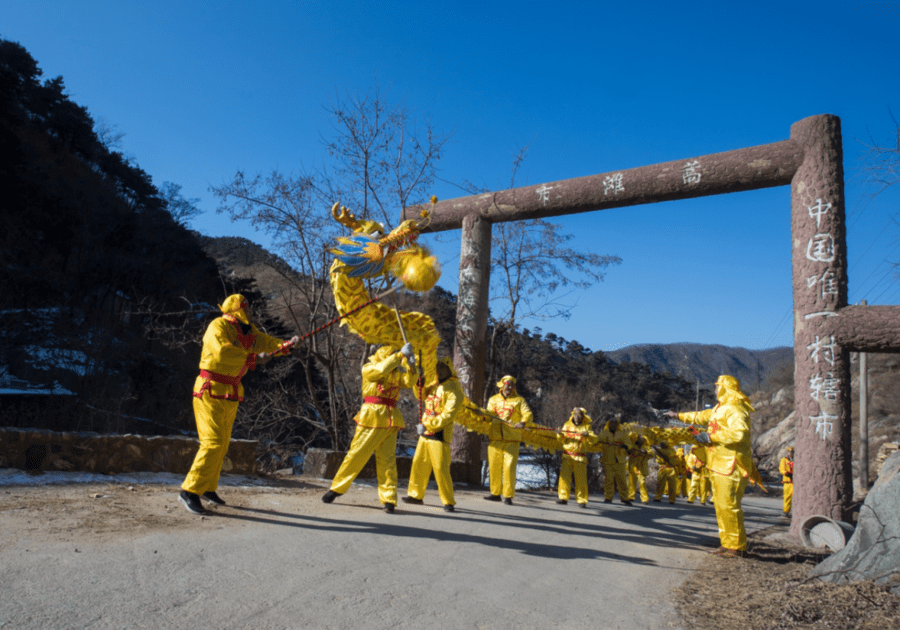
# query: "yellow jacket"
{"points": [[729, 434], [513, 410], [786, 468], [228, 355], [383, 376], [577, 437], [442, 406], [615, 445], [638, 460]]}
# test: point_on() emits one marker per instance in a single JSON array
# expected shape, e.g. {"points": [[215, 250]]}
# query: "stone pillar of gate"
{"points": [[822, 480], [471, 332]]}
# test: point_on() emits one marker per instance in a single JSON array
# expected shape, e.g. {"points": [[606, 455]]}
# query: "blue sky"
{"points": [[202, 90]]}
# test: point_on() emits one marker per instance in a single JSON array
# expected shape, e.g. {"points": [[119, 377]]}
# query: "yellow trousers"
{"points": [[728, 490], [572, 468], [699, 487], [636, 481], [665, 481], [614, 478], [788, 497], [503, 457], [214, 418], [382, 442], [431, 455]]}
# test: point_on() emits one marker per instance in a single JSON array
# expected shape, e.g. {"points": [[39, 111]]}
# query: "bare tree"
{"points": [[381, 162], [384, 158]]}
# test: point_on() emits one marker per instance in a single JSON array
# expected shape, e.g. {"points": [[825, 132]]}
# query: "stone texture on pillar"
{"points": [[822, 478], [867, 328], [761, 166], [471, 332]]}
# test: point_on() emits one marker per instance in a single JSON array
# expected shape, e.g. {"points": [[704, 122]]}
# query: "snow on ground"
{"points": [[14, 477]]}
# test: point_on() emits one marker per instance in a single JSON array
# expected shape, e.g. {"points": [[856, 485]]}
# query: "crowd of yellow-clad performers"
{"points": [[719, 460]]}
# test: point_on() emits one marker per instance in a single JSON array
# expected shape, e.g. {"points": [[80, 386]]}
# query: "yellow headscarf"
{"points": [[732, 391], [503, 380], [237, 306], [585, 418]]}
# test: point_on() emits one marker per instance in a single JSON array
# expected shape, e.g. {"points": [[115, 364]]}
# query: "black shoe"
{"points": [[191, 501], [561, 501], [582, 505], [607, 500], [508, 500], [626, 502], [656, 501], [389, 508], [412, 500], [330, 496], [492, 497], [449, 508], [212, 497]]}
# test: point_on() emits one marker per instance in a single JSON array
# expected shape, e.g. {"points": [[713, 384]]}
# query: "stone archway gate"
{"points": [[826, 329]]}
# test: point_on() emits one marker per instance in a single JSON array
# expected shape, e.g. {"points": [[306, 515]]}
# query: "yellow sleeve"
{"points": [[782, 466], [696, 417], [377, 371], [525, 413], [265, 343]]}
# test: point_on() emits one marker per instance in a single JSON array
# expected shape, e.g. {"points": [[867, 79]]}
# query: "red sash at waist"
{"points": [[378, 400]]}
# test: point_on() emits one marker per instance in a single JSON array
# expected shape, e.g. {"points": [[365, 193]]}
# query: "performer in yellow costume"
{"points": [[377, 424], [730, 462], [232, 345], [575, 435], [638, 469], [503, 453], [442, 406], [616, 445], [665, 476], [696, 460], [786, 468]]}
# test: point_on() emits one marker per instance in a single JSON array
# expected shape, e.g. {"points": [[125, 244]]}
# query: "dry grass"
{"points": [[771, 589]]}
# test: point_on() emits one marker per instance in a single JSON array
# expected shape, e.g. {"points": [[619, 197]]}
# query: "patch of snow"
{"points": [[14, 477]]}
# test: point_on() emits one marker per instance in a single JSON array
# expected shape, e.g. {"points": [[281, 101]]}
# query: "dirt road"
{"points": [[126, 555]]}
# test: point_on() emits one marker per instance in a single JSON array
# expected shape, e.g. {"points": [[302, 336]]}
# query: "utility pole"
{"points": [[863, 420]]}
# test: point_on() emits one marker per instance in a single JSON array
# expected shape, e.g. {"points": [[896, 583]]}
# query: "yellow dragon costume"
{"points": [[369, 253]]}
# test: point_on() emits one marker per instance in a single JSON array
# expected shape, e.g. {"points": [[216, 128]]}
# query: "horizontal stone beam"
{"points": [[865, 328], [762, 166]]}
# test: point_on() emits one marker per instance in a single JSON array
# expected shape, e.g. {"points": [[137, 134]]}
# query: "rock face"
{"points": [[37, 450], [873, 552]]}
